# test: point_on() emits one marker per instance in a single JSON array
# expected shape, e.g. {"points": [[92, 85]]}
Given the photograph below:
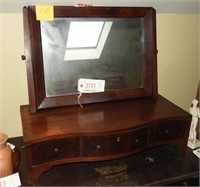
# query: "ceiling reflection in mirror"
{"points": [[109, 49]]}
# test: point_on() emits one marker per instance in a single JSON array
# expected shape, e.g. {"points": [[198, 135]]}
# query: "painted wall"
{"points": [[178, 64], [178, 57]]}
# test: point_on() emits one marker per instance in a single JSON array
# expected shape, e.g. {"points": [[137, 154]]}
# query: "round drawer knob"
{"points": [[166, 132], [136, 140], [118, 139], [98, 147], [56, 150]]}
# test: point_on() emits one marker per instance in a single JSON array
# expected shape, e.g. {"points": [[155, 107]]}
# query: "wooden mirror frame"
{"points": [[34, 62]]}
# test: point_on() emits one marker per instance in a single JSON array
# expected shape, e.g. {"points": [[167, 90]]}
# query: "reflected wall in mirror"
{"points": [[115, 44]]}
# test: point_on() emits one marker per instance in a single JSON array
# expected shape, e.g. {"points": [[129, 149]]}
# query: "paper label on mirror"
{"points": [[91, 85], [44, 12]]}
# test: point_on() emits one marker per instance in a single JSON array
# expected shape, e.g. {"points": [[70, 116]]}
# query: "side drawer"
{"points": [[167, 130], [55, 149], [114, 144]]}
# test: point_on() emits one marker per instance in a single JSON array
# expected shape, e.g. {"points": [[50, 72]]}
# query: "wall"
{"points": [[13, 75], [178, 64], [178, 57], [199, 50]]}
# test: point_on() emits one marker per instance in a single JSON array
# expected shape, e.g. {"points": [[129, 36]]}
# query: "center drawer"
{"points": [[114, 144]]}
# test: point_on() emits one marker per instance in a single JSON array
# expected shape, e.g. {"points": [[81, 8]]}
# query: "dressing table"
{"points": [[128, 117]]}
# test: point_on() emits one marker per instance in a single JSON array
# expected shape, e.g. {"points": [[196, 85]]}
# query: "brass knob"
{"points": [[166, 132], [118, 139], [98, 147], [56, 150], [136, 140]]}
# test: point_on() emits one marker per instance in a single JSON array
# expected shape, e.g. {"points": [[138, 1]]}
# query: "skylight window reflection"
{"points": [[86, 40], [84, 34]]}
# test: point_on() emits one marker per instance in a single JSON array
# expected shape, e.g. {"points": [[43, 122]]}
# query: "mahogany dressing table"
{"points": [[127, 118]]}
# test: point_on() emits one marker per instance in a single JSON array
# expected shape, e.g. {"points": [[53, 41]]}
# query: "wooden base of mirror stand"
{"points": [[101, 131]]}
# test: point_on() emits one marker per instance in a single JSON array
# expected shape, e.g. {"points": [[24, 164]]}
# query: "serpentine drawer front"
{"points": [[115, 144], [66, 135], [55, 149]]}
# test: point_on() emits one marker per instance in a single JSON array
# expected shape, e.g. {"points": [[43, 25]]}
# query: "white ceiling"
{"points": [[161, 6]]}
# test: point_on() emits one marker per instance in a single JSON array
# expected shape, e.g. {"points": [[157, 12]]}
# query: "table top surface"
{"points": [[96, 119]]}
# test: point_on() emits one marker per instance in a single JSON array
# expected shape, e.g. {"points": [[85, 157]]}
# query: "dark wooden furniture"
{"points": [[157, 167], [127, 118], [46, 65], [100, 131]]}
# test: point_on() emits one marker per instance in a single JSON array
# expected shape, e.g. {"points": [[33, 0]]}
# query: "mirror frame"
{"points": [[34, 59]]}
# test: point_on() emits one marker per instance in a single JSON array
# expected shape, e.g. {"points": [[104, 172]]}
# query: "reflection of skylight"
{"points": [[88, 37], [86, 40]]}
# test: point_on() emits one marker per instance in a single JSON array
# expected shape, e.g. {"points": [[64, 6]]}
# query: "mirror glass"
{"points": [[109, 49]]}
